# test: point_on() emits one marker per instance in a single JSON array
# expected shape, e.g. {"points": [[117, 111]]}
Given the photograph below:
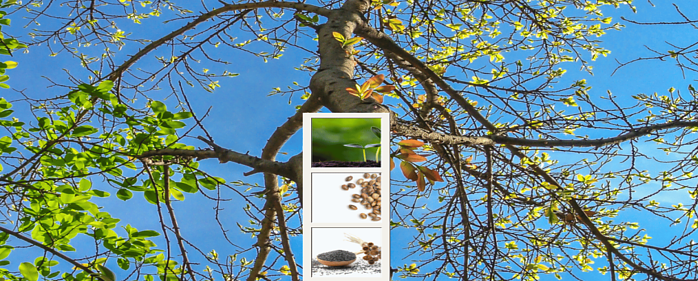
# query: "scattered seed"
{"points": [[356, 200], [356, 195], [345, 187], [349, 178], [351, 185], [375, 195], [359, 181], [363, 216], [367, 175], [377, 212], [376, 218], [352, 207]]}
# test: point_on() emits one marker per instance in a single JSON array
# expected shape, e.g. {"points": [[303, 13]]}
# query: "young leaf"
{"points": [[376, 131], [372, 145], [353, 92], [339, 37], [410, 143], [385, 89], [366, 94], [377, 97], [430, 174], [375, 81], [354, 145], [412, 157], [420, 182], [408, 170], [352, 41]]}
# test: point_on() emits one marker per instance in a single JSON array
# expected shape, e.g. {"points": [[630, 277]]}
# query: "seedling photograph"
{"points": [[346, 142]]}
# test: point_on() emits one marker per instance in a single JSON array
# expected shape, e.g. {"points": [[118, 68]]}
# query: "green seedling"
{"points": [[364, 147], [377, 131]]}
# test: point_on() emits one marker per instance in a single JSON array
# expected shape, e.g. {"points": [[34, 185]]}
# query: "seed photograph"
{"points": [[336, 200], [346, 252], [345, 142]]}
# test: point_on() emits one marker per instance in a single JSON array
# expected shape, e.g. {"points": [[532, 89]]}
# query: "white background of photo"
{"points": [[330, 203]]}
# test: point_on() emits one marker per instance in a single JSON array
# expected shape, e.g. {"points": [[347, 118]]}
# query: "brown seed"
{"points": [[364, 184], [374, 176], [364, 195], [377, 212], [359, 181], [376, 195], [356, 195], [349, 178], [367, 175], [373, 253], [366, 258], [352, 207], [368, 206], [363, 216], [372, 182], [345, 187], [351, 185], [371, 262], [370, 244], [356, 200], [372, 215], [376, 218], [378, 179], [370, 199]]}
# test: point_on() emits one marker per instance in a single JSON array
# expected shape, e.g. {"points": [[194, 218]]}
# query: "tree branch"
{"points": [[226, 155], [116, 74], [52, 251]]}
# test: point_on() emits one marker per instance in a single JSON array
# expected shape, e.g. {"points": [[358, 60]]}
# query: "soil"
{"points": [[369, 163]]}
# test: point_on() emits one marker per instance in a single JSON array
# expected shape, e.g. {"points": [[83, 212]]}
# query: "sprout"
{"points": [[364, 147]]}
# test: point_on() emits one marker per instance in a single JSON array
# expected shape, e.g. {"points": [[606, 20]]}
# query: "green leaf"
{"points": [[5, 251], [123, 263], [105, 86], [146, 234], [85, 184], [84, 130], [151, 196], [177, 194], [187, 187], [11, 64], [182, 115], [29, 271], [124, 194], [158, 107], [107, 274], [100, 193], [4, 78]]}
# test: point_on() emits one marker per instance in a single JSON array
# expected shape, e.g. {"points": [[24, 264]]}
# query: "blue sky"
{"points": [[244, 96]]}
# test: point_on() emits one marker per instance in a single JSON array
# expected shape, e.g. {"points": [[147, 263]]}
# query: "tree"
{"points": [[529, 189]]}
